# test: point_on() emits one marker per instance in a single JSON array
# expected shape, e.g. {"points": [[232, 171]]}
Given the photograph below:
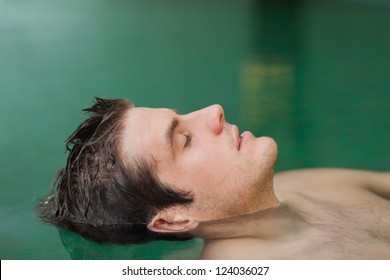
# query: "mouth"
{"points": [[239, 142], [241, 139]]}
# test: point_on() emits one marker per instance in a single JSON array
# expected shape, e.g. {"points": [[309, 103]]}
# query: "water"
{"points": [[312, 74]]}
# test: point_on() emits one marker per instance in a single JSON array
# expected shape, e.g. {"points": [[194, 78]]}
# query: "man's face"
{"points": [[229, 174]]}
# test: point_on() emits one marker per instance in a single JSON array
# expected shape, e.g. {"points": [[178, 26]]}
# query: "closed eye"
{"points": [[188, 140]]}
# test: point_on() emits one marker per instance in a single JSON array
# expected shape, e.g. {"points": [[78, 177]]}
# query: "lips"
{"points": [[244, 138], [240, 139]]}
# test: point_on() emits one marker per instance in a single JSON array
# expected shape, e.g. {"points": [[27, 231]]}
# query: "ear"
{"points": [[172, 220]]}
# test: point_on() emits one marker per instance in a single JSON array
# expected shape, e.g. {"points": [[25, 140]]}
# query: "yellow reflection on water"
{"points": [[267, 83]]}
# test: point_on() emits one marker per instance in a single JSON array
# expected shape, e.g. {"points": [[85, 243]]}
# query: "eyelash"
{"points": [[188, 140]]}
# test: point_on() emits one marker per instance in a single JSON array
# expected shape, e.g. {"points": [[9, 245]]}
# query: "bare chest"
{"points": [[338, 231], [358, 229]]}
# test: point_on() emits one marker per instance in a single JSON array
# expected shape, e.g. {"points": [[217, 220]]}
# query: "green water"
{"points": [[315, 75]]}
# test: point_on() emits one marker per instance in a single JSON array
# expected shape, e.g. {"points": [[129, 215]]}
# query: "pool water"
{"points": [[315, 75]]}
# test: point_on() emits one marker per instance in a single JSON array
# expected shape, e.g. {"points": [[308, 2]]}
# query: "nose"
{"points": [[215, 118], [211, 118]]}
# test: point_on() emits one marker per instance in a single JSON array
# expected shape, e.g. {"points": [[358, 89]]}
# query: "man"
{"points": [[138, 174]]}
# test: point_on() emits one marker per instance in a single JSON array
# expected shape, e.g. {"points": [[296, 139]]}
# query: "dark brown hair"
{"points": [[98, 194]]}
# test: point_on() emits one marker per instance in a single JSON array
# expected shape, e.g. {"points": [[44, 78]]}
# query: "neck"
{"points": [[275, 223]]}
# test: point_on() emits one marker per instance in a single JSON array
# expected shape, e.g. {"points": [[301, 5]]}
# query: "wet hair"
{"points": [[99, 194]]}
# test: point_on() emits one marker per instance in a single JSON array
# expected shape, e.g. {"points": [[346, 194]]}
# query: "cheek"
{"points": [[209, 169]]}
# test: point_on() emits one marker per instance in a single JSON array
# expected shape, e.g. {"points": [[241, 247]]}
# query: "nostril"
{"points": [[219, 112], [219, 117], [222, 116]]}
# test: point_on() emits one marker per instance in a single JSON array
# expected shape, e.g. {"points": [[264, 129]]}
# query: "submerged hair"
{"points": [[99, 194]]}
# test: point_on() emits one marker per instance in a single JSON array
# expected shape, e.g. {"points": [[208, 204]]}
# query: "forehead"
{"points": [[143, 132]]}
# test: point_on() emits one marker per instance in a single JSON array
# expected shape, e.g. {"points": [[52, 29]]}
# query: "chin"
{"points": [[269, 147]]}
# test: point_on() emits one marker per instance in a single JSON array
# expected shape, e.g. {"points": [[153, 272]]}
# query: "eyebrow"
{"points": [[171, 131]]}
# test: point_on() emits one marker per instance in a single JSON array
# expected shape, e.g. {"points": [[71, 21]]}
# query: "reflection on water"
{"points": [[267, 84], [82, 249]]}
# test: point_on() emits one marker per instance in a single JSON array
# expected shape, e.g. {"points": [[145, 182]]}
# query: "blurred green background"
{"points": [[315, 75]]}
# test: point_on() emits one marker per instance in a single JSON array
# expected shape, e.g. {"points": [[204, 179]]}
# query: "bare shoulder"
{"points": [[329, 177], [334, 187]]}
